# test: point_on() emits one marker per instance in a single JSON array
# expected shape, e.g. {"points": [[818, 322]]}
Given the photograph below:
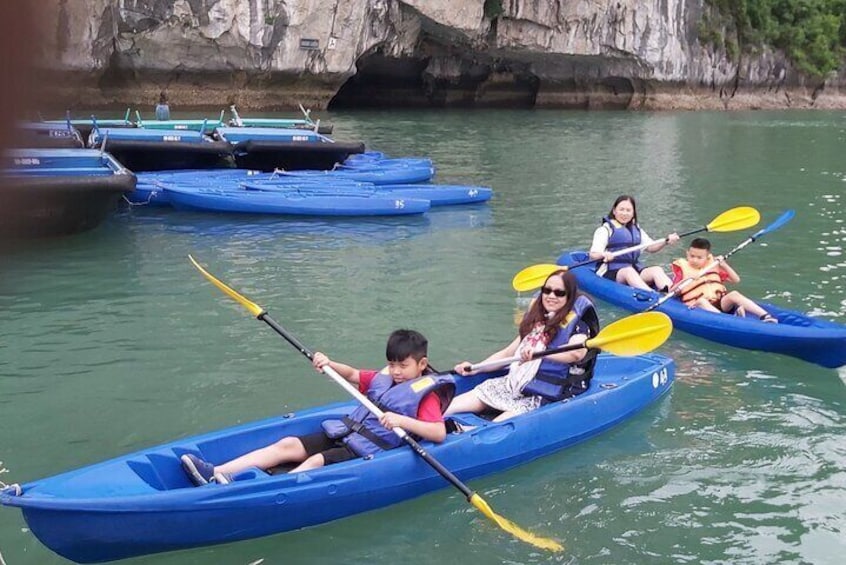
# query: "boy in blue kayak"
{"points": [[410, 398], [706, 289]]}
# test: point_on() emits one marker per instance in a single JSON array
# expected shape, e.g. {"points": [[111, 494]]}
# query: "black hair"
{"points": [[701, 243], [537, 314], [405, 343], [623, 198]]}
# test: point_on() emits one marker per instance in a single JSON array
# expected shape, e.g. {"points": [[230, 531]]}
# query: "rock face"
{"points": [[274, 54]]}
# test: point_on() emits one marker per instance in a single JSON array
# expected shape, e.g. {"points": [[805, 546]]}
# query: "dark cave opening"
{"points": [[383, 82]]}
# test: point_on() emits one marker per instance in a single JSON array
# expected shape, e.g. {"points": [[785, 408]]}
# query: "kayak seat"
{"points": [[160, 471]]}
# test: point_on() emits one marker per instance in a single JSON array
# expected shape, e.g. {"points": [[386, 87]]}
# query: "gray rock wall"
{"points": [[276, 53]]}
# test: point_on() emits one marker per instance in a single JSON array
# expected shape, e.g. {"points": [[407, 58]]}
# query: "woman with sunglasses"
{"points": [[561, 316], [620, 230]]}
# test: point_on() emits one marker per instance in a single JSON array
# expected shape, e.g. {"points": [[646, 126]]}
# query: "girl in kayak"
{"points": [[620, 230], [411, 398], [706, 289], [561, 316]]}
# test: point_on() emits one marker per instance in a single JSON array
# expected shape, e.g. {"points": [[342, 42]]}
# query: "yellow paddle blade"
{"points": [[512, 528], [634, 335], [735, 219], [532, 277], [254, 308]]}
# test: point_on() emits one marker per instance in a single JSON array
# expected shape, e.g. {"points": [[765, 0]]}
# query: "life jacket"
{"points": [[361, 430], [621, 237], [709, 284], [556, 381]]}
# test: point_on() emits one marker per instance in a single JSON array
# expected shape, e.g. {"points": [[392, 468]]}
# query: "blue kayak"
{"points": [[796, 334], [143, 502], [198, 198], [234, 134], [364, 164], [436, 194], [148, 194], [377, 175], [168, 136]]}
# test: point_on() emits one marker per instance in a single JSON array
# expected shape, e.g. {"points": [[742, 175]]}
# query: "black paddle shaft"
{"points": [[435, 464], [265, 317]]}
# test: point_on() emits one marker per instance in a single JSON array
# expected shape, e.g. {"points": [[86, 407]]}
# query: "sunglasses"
{"points": [[559, 292]]}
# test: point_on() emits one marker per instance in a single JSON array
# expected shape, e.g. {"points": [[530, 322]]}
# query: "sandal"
{"points": [[769, 319]]}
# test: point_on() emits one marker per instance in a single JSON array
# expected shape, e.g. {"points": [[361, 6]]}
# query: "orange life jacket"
{"points": [[709, 284]]}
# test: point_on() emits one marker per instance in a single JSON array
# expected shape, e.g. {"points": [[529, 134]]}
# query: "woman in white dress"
{"points": [[560, 312]]}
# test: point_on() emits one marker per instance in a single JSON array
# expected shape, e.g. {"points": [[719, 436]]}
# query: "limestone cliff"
{"points": [[274, 54]]}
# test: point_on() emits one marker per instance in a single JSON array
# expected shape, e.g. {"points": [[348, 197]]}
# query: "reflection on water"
{"points": [[323, 231]]}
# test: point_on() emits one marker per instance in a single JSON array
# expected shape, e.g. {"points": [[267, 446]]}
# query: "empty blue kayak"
{"points": [[797, 334], [189, 197], [143, 502], [378, 175], [437, 194]]}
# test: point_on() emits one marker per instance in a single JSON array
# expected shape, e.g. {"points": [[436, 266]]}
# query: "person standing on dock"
{"points": [[162, 108]]}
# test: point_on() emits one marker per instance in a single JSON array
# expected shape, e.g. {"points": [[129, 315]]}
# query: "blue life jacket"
{"points": [[622, 237], [361, 430], [557, 381]]}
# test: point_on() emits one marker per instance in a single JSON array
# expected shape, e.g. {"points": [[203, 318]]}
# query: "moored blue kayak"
{"points": [[143, 502], [379, 175], [188, 197], [797, 334], [438, 195]]}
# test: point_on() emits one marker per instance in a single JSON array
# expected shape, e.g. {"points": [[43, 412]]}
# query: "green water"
{"points": [[111, 342]]}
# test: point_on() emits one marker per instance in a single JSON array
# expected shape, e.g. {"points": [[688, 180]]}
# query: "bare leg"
{"points": [[286, 450], [467, 402], [628, 276], [316, 461], [735, 299], [656, 277]]}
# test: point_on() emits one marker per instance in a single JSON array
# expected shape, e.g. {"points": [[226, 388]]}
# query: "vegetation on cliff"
{"points": [[811, 32]]}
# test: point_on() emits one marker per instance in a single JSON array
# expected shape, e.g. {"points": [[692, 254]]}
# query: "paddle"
{"points": [[734, 219], [632, 335], [780, 221], [471, 496]]}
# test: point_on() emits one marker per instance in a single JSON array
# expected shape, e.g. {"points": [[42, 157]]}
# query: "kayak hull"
{"points": [[436, 194], [143, 502], [797, 335], [197, 198]]}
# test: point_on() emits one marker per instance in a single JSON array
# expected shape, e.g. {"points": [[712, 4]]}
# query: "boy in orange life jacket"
{"points": [[707, 290]]}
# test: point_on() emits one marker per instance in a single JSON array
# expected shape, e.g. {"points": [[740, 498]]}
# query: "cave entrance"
{"points": [[383, 82]]}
